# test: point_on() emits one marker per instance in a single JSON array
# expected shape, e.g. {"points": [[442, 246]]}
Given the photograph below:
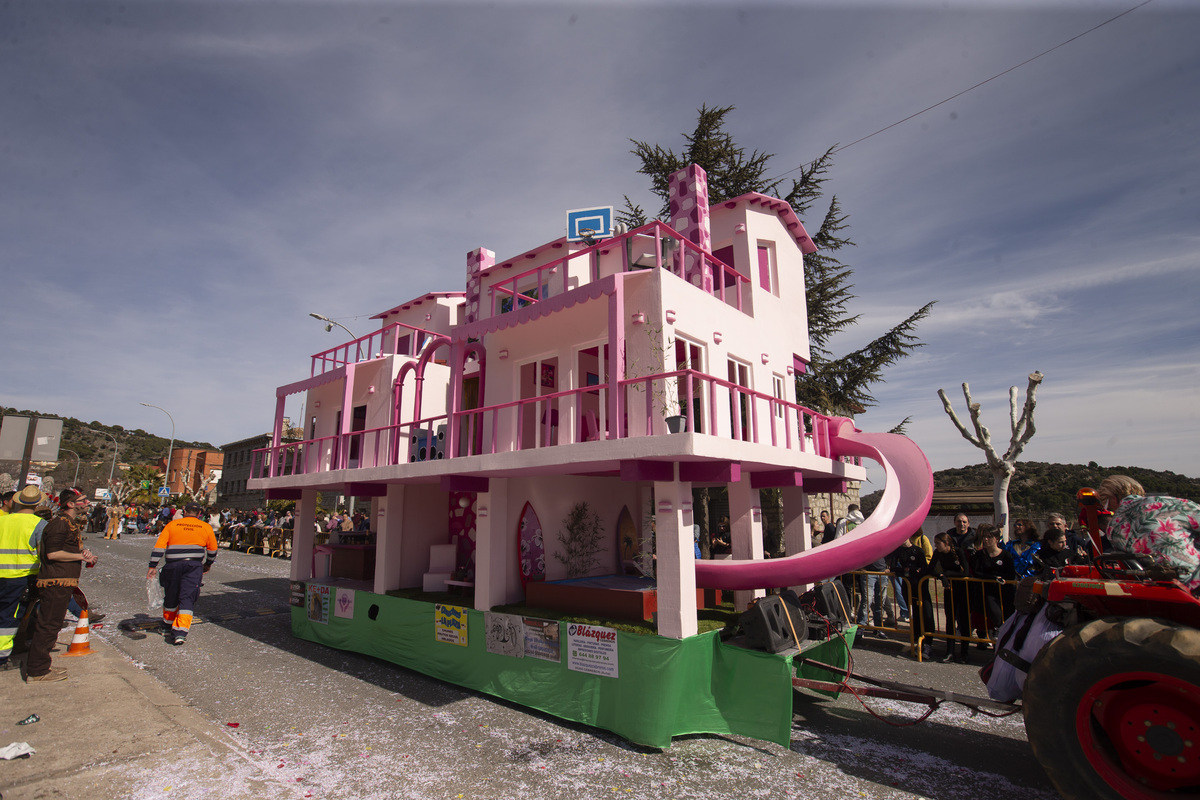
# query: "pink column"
{"points": [[689, 217]]}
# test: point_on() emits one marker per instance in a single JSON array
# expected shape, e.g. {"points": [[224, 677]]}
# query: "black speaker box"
{"points": [[832, 601], [766, 626]]}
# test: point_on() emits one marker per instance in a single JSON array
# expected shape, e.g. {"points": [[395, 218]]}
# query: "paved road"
{"points": [[322, 723]]}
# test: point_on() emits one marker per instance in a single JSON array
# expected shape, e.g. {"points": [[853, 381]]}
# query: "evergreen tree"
{"points": [[833, 384]]}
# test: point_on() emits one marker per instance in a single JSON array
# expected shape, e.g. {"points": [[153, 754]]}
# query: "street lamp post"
{"points": [[112, 470], [171, 447], [329, 323], [75, 482]]}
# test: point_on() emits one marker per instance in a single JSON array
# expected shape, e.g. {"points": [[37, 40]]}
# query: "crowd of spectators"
{"points": [[893, 589], [237, 526]]}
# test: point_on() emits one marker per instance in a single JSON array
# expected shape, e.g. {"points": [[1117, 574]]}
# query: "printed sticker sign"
{"points": [[592, 649], [542, 639], [504, 634], [450, 624], [343, 605], [317, 602]]}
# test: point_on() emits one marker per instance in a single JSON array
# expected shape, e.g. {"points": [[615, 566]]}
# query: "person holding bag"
{"points": [[189, 548]]}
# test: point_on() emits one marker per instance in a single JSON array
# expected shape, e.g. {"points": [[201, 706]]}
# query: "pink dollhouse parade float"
{"points": [[515, 443]]}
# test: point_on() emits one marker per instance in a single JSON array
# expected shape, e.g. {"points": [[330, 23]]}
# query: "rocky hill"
{"points": [[1039, 488], [95, 449]]}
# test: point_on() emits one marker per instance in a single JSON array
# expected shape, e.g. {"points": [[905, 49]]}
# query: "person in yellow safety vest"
{"points": [[20, 532], [189, 547]]}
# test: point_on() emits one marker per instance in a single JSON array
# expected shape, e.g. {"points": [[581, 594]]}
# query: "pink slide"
{"points": [[907, 495]]}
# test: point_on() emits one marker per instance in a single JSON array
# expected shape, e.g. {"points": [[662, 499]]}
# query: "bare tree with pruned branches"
{"points": [[1021, 431]]}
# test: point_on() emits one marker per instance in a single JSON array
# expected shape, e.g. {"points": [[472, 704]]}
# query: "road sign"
{"points": [[164, 492]]}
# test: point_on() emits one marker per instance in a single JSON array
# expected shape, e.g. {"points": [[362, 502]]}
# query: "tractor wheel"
{"points": [[1112, 710]]}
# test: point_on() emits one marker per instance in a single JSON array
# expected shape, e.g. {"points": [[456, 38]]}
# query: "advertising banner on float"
{"points": [[343, 604], [542, 639], [450, 624], [504, 634], [318, 603], [592, 649]]}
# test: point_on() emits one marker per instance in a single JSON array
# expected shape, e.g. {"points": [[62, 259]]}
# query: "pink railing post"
{"points": [[691, 412], [753, 419]]}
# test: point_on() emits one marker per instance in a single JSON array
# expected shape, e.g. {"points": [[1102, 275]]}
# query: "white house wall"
{"points": [[426, 523], [553, 497], [551, 337], [786, 314]]}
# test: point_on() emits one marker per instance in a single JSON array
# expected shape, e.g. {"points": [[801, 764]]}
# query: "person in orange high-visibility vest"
{"points": [[188, 548]]}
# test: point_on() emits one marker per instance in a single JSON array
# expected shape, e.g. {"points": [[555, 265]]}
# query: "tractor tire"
{"points": [[1112, 710]]}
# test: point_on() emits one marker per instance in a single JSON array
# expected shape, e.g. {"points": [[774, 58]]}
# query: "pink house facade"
{"points": [[549, 380], [621, 373]]}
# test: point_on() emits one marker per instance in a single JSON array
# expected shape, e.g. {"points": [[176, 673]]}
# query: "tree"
{"points": [[836, 385], [139, 484], [1021, 431]]}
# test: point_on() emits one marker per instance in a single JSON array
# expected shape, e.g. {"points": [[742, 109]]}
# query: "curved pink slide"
{"points": [[907, 495]]}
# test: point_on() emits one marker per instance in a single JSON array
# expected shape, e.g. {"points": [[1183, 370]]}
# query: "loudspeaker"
{"points": [[766, 625], [832, 601]]}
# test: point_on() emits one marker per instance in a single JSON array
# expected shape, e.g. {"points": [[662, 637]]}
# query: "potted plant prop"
{"points": [[582, 539]]}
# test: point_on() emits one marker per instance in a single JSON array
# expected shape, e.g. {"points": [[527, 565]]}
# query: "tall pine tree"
{"points": [[833, 384]]}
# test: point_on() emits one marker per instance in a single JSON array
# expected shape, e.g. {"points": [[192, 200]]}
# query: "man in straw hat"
{"points": [[20, 532], [61, 564]]}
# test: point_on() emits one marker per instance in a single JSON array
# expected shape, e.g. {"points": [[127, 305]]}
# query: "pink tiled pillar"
{"points": [[478, 260], [689, 216]]}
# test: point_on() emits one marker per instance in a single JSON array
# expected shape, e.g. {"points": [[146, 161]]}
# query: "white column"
{"points": [[674, 545], [745, 530], [389, 538], [303, 535], [495, 548], [796, 534]]}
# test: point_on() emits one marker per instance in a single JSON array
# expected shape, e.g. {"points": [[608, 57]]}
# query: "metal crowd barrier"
{"points": [[275, 542], [972, 594]]}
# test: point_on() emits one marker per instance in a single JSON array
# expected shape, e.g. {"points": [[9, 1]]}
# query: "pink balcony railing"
{"points": [[395, 339], [708, 405], [653, 245], [705, 401]]}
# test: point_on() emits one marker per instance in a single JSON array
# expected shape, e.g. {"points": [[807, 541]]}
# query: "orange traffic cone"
{"points": [[79, 644]]}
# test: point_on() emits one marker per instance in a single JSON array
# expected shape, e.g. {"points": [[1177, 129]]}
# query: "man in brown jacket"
{"points": [[62, 562]]}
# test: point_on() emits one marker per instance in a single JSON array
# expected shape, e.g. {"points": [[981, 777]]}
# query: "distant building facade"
{"points": [[238, 470], [193, 471]]}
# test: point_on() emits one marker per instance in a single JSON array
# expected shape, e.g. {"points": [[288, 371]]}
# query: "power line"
{"points": [[981, 83]]}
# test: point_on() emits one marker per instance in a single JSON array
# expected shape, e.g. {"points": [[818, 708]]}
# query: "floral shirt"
{"points": [[1165, 528], [1023, 562]]}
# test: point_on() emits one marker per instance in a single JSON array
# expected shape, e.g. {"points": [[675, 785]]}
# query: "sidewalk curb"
{"points": [[107, 730]]}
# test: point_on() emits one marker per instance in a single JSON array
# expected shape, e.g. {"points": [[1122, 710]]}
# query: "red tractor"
{"points": [[1112, 706]]}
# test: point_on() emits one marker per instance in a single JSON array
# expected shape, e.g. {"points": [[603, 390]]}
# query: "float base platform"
{"points": [[662, 687]]}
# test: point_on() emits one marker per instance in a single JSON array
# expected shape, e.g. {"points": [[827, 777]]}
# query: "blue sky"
{"points": [[184, 182]]}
